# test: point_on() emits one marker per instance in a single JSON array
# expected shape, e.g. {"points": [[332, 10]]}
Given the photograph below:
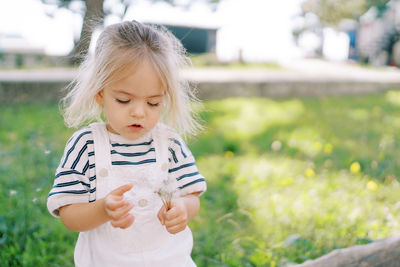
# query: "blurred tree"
{"points": [[332, 12], [319, 14], [93, 16], [93, 12]]}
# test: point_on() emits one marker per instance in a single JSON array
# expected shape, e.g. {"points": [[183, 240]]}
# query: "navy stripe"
{"points": [[133, 154], [77, 192], [91, 154], [173, 154], [73, 147], [179, 144], [69, 140], [79, 156], [67, 173], [129, 145], [181, 167], [187, 175], [90, 201], [91, 166], [133, 163], [86, 167], [193, 182], [71, 183], [92, 178], [72, 137]]}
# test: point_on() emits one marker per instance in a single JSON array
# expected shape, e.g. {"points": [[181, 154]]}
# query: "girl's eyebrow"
{"points": [[121, 92], [126, 93], [154, 96]]}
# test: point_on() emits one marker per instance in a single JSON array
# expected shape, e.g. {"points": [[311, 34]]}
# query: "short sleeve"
{"points": [[72, 178], [182, 167]]}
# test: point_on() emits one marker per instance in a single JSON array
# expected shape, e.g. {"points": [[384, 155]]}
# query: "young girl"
{"points": [[109, 181]]}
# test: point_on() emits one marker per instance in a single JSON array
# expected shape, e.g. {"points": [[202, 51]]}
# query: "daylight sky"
{"points": [[260, 28]]}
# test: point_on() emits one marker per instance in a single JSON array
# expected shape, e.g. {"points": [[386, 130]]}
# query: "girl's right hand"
{"points": [[117, 208]]}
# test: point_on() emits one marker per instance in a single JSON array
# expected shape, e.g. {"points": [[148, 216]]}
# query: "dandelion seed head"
{"points": [[374, 164], [167, 191], [276, 145]]}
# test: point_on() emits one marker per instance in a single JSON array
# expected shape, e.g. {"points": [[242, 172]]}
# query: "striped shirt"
{"points": [[75, 177]]}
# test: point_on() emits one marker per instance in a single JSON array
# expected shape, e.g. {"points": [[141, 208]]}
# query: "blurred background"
{"points": [[43, 33], [301, 109]]}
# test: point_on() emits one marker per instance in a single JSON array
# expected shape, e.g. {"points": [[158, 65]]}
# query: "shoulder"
{"points": [[164, 129], [169, 133], [172, 136], [178, 150], [81, 135], [77, 147]]}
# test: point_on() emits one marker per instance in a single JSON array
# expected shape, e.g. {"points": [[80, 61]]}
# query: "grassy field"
{"points": [[288, 180]]}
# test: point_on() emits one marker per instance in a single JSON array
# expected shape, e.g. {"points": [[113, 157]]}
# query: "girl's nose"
{"points": [[137, 110]]}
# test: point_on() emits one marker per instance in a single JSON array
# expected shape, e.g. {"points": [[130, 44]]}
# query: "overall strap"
{"points": [[102, 151], [160, 137]]}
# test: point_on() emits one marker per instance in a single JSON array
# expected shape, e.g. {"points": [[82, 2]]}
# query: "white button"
{"points": [[142, 203], [164, 167], [103, 172]]}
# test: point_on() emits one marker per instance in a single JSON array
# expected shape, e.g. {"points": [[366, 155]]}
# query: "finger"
{"points": [[121, 212], [175, 221], [176, 229], [173, 213], [113, 204], [124, 222], [160, 216], [163, 214], [121, 190]]}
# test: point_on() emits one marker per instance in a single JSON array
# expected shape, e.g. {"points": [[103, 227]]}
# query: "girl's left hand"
{"points": [[176, 218]]}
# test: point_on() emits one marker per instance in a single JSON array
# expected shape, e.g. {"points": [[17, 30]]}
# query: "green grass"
{"points": [[281, 188]]}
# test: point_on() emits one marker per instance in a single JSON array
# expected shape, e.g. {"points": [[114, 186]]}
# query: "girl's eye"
{"points": [[122, 101], [153, 104]]}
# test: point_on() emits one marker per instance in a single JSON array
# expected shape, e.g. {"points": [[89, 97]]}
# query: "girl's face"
{"points": [[133, 104]]}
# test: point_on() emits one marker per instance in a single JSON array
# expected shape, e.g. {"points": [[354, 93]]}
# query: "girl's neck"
{"points": [[117, 138]]}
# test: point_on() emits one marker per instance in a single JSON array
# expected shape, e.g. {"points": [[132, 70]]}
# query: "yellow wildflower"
{"points": [[317, 146], [286, 182], [229, 154], [328, 148], [309, 173], [372, 186], [355, 167]]}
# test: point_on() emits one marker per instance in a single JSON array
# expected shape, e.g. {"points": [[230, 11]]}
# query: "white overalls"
{"points": [[146, 243]]}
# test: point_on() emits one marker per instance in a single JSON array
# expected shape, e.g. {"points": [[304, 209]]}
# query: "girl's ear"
{"points": [[99, 97]]}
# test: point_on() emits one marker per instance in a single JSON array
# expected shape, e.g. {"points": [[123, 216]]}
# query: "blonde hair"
{"points": [[118, 47]]}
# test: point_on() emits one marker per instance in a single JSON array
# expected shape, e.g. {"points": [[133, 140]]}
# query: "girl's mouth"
{"points": [[136, 126]]}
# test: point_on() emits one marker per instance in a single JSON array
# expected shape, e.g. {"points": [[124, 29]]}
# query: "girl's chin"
{"points": [[136, 129]]}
